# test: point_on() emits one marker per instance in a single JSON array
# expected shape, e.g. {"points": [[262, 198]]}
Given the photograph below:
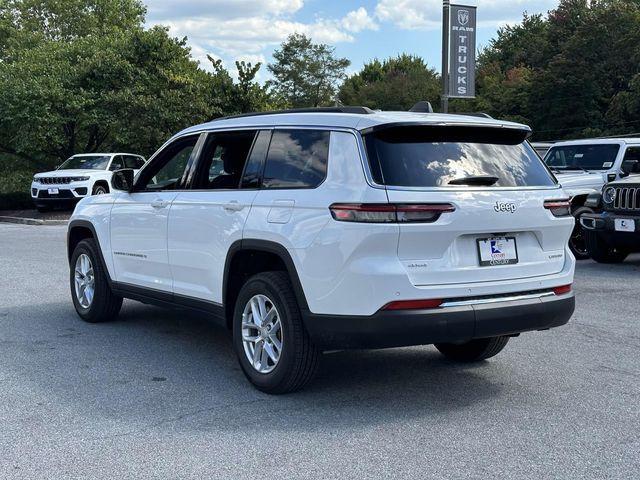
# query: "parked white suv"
{"points": [[79, 176], [583, 167], [341, 228]]}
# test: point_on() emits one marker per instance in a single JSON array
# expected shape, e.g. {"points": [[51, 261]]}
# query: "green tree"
{"points": [[69, 82], [244, 96], [394, 84], [568, 75], [306, 74]]}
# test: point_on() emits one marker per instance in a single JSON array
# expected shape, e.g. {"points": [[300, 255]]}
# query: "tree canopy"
{"points": [[394, 84], [305, 74], [572, 74], [84, 75]]}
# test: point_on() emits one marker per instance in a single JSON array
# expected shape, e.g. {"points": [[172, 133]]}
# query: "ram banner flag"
{"points": [[462, 52]]}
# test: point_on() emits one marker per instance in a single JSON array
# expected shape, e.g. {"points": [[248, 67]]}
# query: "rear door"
{"points": [[498, 228]]}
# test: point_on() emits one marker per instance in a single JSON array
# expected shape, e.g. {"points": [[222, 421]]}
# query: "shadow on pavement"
{"points": [[156, 368]]}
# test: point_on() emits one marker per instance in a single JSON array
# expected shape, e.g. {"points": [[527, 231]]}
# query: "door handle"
{"points": [[158, 203], [233, 206]]}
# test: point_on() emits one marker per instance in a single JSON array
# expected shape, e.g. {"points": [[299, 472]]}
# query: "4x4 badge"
{"points": [[505, 207]]}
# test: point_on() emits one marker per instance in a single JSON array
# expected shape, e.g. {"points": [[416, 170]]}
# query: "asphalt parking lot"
{"points": [[158, 394]]}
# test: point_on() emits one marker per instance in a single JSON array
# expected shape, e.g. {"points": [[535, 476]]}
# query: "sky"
{"points": [[359, 30]]}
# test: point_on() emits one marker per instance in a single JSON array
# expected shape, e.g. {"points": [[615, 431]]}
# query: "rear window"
{"points": [[296, 159], [433, 156]]}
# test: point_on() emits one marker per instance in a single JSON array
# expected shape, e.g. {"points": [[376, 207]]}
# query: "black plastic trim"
{"points": [[269, 247], [168, 299], [400, 328], [88, 225]]}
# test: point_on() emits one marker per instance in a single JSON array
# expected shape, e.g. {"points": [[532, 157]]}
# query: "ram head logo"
{"points": [[463, 17]]}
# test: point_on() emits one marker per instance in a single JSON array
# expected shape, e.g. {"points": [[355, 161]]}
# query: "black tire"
{"points": [[601, 251], [100, 190], [474, 350], [577, 241], [105, 306], [299, 358]]}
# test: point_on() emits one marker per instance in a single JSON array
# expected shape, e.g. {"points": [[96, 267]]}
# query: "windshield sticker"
{"points": [[607, 165], [578, 155]]}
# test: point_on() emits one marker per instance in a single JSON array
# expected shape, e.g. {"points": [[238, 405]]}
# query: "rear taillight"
{"points": [[561, 290], [389, 213], [413, 304], [558, 208]]}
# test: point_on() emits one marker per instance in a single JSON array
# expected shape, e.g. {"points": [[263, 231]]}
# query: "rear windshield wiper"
{"points": [[475, 180]]}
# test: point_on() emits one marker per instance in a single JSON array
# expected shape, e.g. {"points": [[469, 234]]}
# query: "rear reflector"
{"points": [[413, 304], [558, 208], [562, 289], [388, 212]]}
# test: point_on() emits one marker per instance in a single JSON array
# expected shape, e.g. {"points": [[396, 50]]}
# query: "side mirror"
{"points": [[623, 174], [123, 180]]}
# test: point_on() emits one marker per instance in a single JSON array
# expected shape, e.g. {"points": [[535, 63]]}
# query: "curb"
{"points": [[31, 221]]}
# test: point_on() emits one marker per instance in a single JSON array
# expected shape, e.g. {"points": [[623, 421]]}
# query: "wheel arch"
{"points": [[101, 182], [79, 230], [248, 257]]}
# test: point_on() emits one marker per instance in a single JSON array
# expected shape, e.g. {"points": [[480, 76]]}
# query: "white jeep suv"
{"points": [[583, 167], [79, 176], [309, 231]]}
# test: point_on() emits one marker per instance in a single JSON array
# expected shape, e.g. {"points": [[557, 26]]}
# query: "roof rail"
{"points": [[347, 109], [476, 114], [422, 107]]}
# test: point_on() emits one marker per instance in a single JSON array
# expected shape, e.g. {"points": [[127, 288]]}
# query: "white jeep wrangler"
{"points": [[306, 231]]}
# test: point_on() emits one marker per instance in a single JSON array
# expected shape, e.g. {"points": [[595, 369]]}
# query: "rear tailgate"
{"points": [[448, 251], [499, 228]]}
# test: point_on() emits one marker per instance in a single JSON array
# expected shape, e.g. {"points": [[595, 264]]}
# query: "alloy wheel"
{"points": [[84, 280], [262, 333]]}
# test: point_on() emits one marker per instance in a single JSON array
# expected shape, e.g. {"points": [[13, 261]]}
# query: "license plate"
{"points": [[624, 225], [497, 251], [53, 191]]}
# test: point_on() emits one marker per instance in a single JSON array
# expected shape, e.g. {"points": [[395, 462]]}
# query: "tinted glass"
{"points": [[116, 163], [582, 157], [92, 162], [434, 156], [222, 160], [253, 168], [167, 169], [297, 159], [631, 161], [133, 162]]}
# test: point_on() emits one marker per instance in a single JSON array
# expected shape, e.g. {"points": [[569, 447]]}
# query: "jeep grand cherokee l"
{"points": [[307, 231]]}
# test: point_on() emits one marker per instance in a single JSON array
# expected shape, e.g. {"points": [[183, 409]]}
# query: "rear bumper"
{"points": [[441, 325]]}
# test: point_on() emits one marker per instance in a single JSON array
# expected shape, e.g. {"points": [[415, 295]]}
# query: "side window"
{"points": [[297, 159], [116, 163], [631, 161], [134, 162], [223, 159], [253, 168], [168, 168]]}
